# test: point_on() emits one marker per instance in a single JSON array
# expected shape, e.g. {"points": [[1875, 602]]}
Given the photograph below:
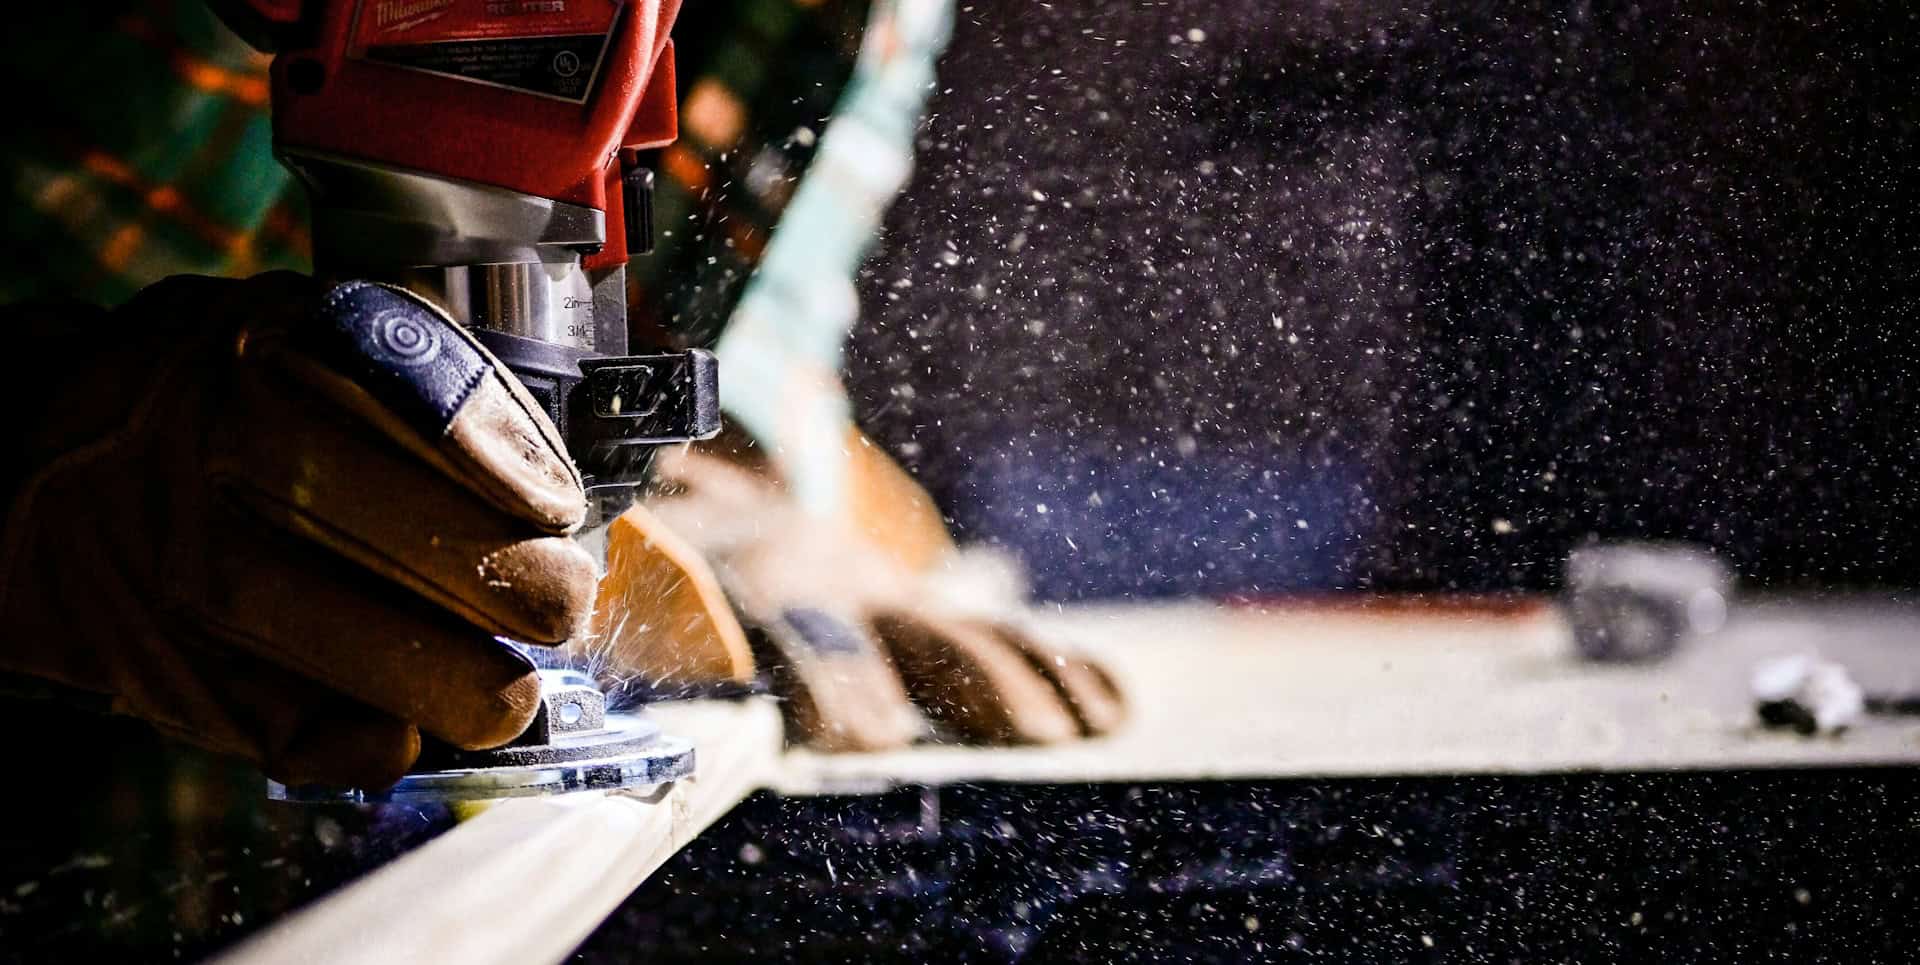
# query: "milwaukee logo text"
{"points": [[402, 14]]}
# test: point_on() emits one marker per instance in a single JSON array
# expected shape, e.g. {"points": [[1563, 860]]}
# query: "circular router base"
{"points": [[628, 752]]}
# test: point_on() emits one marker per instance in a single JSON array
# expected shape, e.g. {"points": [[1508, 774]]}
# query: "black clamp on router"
{"points": [[613, 410]]}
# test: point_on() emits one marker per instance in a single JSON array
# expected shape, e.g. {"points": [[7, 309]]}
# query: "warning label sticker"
{"points": [[547, 47]]}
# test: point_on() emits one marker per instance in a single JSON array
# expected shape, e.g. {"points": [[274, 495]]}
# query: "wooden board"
{"points": [[1218, 693], [527, 880], [1230, 692]]}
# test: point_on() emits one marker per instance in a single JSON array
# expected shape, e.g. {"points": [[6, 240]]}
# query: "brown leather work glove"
{"points": [[286, 523], [850, 631]]}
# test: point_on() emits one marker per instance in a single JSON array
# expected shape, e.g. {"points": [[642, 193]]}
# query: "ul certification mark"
{"points": [[560, 66]]}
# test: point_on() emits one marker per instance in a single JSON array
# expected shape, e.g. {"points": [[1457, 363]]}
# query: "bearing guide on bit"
{"points": [[573, 744]]}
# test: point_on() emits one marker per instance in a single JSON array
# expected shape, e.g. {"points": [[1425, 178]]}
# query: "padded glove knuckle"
{"points": [[403, 351]]}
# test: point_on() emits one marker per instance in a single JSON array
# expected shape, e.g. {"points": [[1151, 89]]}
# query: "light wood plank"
{"points": [[1316, 691], [528, 879]]}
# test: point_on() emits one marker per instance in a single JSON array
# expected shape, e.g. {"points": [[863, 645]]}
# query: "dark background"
{"points": [[157, 854], [1454, 287], [1677, 867], [1326, 295]]}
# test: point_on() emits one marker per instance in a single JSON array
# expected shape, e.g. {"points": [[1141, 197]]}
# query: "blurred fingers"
{"points": [[841, 692], [965, 676], [1087, 689]]}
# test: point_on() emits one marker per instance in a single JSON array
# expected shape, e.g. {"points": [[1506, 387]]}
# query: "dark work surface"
{"points": [[116, 845], [144, 852], [1213, 296], [1735, 867]]}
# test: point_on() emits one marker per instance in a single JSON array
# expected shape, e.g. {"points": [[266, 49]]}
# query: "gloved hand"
{"points": [[848, 621], [285, 523]]}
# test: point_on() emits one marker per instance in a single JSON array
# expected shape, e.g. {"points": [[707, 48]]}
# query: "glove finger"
{"points": [[317, 616], [345, 744], [1083, 684], [963, 675], [320, 737], [840, 692], [402, 366], [318, 473], [293, 729], [661, 616]]}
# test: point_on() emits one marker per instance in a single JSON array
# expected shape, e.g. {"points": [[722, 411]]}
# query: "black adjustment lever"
{"points": [[613, 410], [628, 403], [637, 205]]}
